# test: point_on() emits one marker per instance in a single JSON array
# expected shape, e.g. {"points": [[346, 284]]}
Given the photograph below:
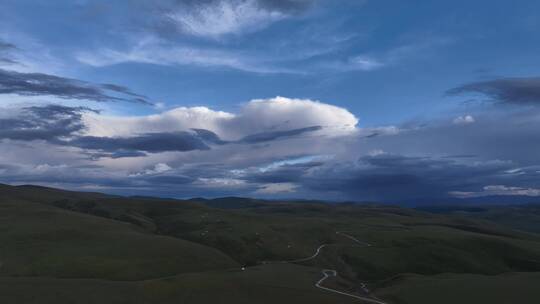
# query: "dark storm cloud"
{"points": [[62, 125], [518, 90], [181, 141], [209, 136], [166, 179], [398, 177], [497, 135], [37, 84], [114, 155], [213, 138], [46, 123], [395, 177], [270, 136], [151, 142], [122, 153]]}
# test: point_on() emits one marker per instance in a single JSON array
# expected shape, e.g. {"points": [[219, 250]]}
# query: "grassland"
{"points": [[280, 283], [144, 250], [39, 240], [464, 289]]}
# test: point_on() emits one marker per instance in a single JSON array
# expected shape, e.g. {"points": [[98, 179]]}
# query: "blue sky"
{"points": [[391, 87]]}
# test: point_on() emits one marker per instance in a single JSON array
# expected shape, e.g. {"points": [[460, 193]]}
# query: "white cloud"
{"points": [[178, 119], [157, 169], [286, 113], [221, 182], [256, 116], [376, 152], [464, 120], [364, 63], [161, 167], [277, 188]]}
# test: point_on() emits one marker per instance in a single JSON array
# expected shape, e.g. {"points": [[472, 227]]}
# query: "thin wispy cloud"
{"points": [[223, 17], [158, 53], [216, 18], [6, 56]]}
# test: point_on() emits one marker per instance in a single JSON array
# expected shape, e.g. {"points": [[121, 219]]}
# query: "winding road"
{"points": [[332, 273], [311, 257], [327, 273]]}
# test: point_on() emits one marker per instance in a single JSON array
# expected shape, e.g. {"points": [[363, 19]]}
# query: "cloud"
{"points": [[6, 46], [206, 34], [277, 188], [6, 50], [47, 123], [495, 190], [178, 119], [464, 120], [365, 63], [258, 120], [379, 59], [178, 130], [220, 183], [158, 52], [64, 126], [277, 146], [270, 136], [38, 84], [495, 135], [281, 172], [516, 90], [392, 177], [288, 113], [223, 17], [149, 142], [215, 18], [157, 169], [385, 177]]}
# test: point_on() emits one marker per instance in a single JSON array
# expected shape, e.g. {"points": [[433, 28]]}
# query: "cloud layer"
{"points": [[258, 119], [38, 84], [278, 147], [514, 90]]}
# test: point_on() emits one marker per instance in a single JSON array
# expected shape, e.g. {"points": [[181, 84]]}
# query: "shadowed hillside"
{"points": [[55, 239]]}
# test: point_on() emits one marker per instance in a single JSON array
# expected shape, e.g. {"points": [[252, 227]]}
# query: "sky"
{"points": [[385, 100]]}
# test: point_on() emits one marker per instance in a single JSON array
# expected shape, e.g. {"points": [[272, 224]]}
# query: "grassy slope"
{"points": [[38, 240], [405, 240], [281, 283], [118, 240], [520, 217], [464, 289]]}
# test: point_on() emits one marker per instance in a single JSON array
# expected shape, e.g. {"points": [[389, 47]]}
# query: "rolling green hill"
{"points": [[463, 289], [41, 240], [145, 250], [269, 284]]}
